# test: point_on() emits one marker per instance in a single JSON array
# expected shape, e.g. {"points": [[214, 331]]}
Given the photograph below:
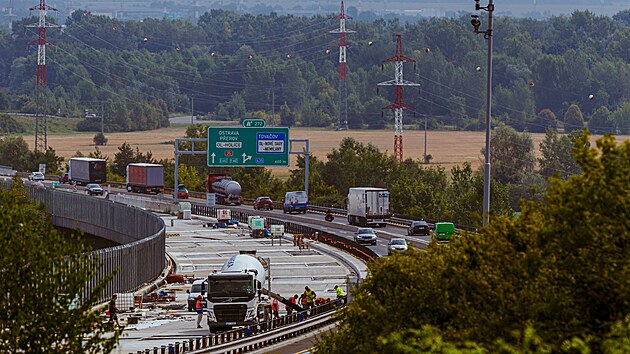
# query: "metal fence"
{"points": [[140, 256], [328, 238]]}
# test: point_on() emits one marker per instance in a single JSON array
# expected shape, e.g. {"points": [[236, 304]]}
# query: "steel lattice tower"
{"points": [[41, 144], [398, 104], [343, 89]]}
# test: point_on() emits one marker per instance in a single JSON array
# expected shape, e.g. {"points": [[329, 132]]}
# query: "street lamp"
{"points": [[487, 34]]}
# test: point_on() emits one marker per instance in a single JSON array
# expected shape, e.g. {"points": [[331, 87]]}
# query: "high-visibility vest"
{"points": [[310, 295], [340, 292], [198, 305], [274, 305]]}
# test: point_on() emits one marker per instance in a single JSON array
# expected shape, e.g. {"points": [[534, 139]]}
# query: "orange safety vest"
{"points": [[198, 305], [292, 299], [274, 305]]}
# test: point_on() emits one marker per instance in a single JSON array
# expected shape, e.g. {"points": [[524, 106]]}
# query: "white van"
{"points": [[295, 201], [199, 287]]}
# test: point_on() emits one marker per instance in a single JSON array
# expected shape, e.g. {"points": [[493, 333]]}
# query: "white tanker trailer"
{"points": [[227, 190], [235, 293]]}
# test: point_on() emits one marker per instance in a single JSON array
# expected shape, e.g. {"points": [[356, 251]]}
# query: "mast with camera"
{"points": [[487, 34]]}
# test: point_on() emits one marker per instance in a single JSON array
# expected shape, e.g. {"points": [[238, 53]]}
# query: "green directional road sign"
{"points": [[253, 123], [241, 147]]}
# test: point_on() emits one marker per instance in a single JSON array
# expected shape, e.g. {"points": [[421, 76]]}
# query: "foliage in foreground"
{"points": [[557, 279], [42, 279]]}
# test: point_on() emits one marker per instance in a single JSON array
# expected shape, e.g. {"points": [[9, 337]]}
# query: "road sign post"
{"points": [[247, 147]]}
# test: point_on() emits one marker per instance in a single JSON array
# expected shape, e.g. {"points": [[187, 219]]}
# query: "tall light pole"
{"points": [[487, 34]]}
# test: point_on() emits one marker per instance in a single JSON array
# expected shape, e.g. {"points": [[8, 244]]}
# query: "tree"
{"points": [[573, 119], [100, 139], [14, 152], [621, 118], [552, 280], [122, 158], [9, 125], [556, 155], [511, 154], [600, 122], [287, 118], [545, 119], [45, 306]]}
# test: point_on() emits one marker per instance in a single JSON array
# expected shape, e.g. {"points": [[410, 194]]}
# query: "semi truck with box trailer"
{"points": [[368, 206], [235, 293], [145, 178], [84, 170]]}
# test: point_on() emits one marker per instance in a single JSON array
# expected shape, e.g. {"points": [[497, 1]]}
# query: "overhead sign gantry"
{"points": [[247, 147]]}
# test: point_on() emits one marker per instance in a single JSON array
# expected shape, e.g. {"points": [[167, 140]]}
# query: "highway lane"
{"points": [[339, 226]]}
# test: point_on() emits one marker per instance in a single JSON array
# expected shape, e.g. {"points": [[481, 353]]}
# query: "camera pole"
{"points": [[487, 34]]}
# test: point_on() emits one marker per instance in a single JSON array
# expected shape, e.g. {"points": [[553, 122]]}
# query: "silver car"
{"points": [[94, 189], [396, 245], [365, 235], [36, 176]]}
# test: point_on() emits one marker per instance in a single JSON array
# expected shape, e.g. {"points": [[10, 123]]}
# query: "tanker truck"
{"points": [[234, 295], [227, 190]]}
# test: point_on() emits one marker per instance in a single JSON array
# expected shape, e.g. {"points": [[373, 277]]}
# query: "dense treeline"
{"points": [[233, 66], [554, 280]]}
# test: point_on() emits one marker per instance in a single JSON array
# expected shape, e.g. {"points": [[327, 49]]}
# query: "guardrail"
{"points": [[141, 255], [328, 238], [255, 336]]}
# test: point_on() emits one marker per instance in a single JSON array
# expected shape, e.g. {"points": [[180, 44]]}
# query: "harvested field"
{"points": [[448, 148]]}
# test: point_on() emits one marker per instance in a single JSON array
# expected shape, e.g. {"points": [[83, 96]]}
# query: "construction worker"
{"points": [[293, 300], [113, 310], [340, 294], [199, 309], [310, 296], [275, 307]]}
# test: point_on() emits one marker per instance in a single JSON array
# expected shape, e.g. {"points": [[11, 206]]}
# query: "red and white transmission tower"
{"points": [[398, 104], [41, 143], [343, 90]]}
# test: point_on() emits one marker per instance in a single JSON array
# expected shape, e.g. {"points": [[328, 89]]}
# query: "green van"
{"points": [[444, 230]]}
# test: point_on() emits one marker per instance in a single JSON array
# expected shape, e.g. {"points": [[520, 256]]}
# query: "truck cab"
{"points": [[234, 293], [295, 201]]}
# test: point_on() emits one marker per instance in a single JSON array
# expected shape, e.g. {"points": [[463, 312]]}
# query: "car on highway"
{"points": [[93, 189], [199, 287], [396, 245], [264, 203], [365, 235], [444, 231], [419, 228], [182, 192], [64, 178], [36, 176]]}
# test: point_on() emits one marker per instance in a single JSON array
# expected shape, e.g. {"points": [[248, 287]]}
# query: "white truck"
{"points": [[85, 170], [234, 295], [368, 206]]}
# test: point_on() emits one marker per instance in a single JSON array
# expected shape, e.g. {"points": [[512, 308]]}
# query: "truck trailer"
{"points": [[145, 178], [84, 170], [368, 206], [226, 189], [234, 296]]}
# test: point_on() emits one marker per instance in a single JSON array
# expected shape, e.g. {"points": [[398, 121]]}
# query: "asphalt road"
{"points": [[339, 226]]}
